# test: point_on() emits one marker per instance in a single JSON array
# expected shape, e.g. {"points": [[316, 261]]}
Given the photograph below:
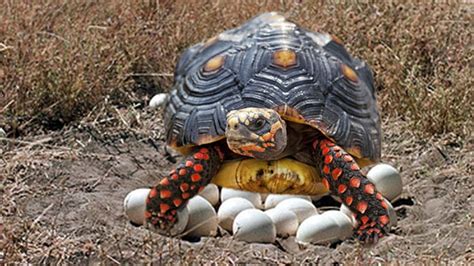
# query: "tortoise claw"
{"points": [[371, 233], [169, 225]]}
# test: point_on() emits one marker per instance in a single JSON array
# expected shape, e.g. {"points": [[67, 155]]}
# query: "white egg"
{"points": [[229, 209], [254, 198], [301, 207], [325, 228], [253, 225], [272, 200], [387, 180], [211, 194], [286, 222], [3, 134], [391, 214], [202, 218], [135, 206], [346, 227], [158, 100]]}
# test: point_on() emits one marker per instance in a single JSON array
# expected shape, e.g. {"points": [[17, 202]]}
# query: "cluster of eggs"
{"points": [[255, 217]]}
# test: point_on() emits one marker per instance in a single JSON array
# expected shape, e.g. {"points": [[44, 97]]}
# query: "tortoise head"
{"points": [[256, 132]]}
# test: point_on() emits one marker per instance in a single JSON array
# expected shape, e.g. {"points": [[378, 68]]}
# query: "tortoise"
{"points": [[272, 107]]}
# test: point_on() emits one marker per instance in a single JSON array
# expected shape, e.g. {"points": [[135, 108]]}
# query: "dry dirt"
{"points": [[63, 192]]}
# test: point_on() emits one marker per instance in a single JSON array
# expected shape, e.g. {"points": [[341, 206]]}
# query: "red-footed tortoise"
{"points": [[271, 107]]}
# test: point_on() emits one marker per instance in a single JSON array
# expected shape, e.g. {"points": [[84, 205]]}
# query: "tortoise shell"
{"points": [[268, 62]]}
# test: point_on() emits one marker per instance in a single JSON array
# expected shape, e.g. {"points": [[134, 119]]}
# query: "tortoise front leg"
{"points": [[342, 176], [186, 180]]}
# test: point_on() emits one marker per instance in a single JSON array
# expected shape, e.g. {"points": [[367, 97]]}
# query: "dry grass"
{"points": [[59, 60]]}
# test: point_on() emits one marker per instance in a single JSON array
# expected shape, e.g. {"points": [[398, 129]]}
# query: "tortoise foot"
{"points": [[371, 232], [342, 176]]}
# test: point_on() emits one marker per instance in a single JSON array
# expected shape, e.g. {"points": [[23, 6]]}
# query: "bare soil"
{"points": [[62, 195]]}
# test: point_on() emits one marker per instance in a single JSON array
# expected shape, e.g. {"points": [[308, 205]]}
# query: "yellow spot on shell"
{"points": [[349, 73], [214, 63], [284, 58]]}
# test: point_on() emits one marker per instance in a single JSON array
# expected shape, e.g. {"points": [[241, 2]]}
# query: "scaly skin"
{"points": [[342, 176], [186, 180]]}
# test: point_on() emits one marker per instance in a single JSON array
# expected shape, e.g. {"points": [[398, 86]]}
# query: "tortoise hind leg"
{"points": [[186, 180], [342, 176]]}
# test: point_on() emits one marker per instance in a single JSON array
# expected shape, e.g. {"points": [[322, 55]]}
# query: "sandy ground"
{"points": [[62, 197]]}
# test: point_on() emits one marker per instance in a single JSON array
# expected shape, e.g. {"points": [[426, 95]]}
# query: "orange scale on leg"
{"points": [[328, 159], [177, 202], [384, 219], [384, 205], [325, 151], [379, 196], [195, 177], [336, 173], [354, 182], [164, 207], [153, 193], [204, 150], [355, 167], [198, 156], [369, 189], [348, 200], [184, 187], [362, 206], [189, 163], [164, 182], [341, 188], [326, 169], [325, 183], [185, 195], [364, 219], [164, 194], [182, 172], [174, 177], [198, 167]]}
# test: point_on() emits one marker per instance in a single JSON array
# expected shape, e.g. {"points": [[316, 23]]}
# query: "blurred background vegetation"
{"points": [[61, 60]]}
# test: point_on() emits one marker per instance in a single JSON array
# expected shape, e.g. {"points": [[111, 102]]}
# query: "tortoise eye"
{"points": [[259, 123]]}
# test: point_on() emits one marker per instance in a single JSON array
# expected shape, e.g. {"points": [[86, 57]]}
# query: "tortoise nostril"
{"points": [[236, 126]]}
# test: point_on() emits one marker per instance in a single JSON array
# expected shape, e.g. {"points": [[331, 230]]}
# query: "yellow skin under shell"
{"points": [[284, 176]]}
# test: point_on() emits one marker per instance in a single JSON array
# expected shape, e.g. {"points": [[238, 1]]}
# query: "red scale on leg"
{"points": [[342, 175], [171, 193], [336, 173], [325, 183], [164, 182]]}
